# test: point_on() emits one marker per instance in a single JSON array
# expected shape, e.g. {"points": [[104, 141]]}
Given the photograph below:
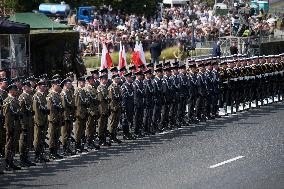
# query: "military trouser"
{"points": [[11, 136], [127, 120], [26, 135], [114, 121], [199, 106], [191, 104], [39, 138], [174, 112], [147, 121], [215, 101], [103, 120], [157, 116], [17, 135], [54, 135], [138, 120], [91, 125], [165, 115], [182, 109], [66, 131], [2, 137], [79, 129], [208, 104]]}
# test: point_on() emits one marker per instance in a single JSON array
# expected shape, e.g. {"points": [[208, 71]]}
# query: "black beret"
{"points": [[123, 69], [12, 87], [150, 65], [114, 69], [103, 77], [139, 73], [26, 83], [88, 78], [133, 67], [159, 65], [104, 70], [64, 82], [56, 76], [95, 71], [129, 74], [81, 79], [148, 72], [115, 76], [158, 70]]}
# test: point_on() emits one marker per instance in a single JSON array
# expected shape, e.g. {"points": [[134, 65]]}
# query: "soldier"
{"points": [[81, 104], [167, 95], [149, 103], [11, 112], [139, 94], [183, 93], [55, 118], [127, 106], [93, 112], [175, 80], [3, 96], [192, 84], [96, 75], [158, 99], [68, 104], [103, 110], [27, 124], [115, 98], [40, 120], [70, 76], [105, 72]]}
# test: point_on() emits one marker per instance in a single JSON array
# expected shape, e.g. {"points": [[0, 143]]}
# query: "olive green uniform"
{"points": [[115, 97], [27, 124], [81, 103], [11, 112], [40, 120], [93, 112], [68, 103], [103, 110], [55, 119]]}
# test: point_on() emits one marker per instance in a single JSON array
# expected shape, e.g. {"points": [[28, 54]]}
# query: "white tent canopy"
{"points": [[175, 2]]}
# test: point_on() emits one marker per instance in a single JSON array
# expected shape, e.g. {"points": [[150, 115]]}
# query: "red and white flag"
{"points": [[138, 56], [122, 57], [106, 61]]}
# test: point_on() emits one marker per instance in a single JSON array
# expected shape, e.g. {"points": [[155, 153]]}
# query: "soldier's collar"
{"points": [[11, 95]]}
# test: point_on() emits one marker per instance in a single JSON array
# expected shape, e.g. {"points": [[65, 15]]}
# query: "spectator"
{"points": [[155, 51], [216, 50], [234, 49]]}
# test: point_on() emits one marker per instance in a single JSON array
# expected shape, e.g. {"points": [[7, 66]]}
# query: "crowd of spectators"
{"points": [[169, 26]]}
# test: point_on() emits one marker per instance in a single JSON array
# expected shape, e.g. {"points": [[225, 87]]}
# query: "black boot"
{"points": [[103, 142], [113, 139], [25, 161], [11, 166]]}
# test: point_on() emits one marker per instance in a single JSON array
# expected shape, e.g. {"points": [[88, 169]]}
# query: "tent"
{"points": [[8, 27], [38, 21], [175, 2]]}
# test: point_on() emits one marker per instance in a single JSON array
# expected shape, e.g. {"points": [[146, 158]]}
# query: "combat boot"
{"points": [[103, 142], [113, 139], [11, 166]]}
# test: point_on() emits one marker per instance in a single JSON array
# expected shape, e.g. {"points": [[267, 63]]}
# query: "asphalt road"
{"points": [[244, 151]]}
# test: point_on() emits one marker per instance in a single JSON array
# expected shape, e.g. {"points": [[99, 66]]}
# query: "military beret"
{"points": [[192, 65], [176, 63], [113, 69], [55, 81], [41, 82], [142, 66], [56, 76], [167, 69], [65, 81], [167, 64], [182, 66], [133, 67], [4, 80], [43, 76], [159, 65], [26, 83], [15, 79]]}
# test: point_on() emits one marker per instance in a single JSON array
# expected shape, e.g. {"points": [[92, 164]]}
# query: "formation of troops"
{"points": [[46, 113]]}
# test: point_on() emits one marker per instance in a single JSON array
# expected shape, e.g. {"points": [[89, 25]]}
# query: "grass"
{"points": [[167, 54]]}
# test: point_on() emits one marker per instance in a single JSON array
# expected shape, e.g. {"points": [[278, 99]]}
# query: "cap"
{"points": [[81, 79], [148, 71], [113, 69], [95, 71], [139, 73], [158, 70], [133, 67], [26, 83], [129, 74], [64, 82], [115, 76], [104, 70], [150, 65], [41, 82], [55, 81], [11, 87], [103, 77], [56, 76], [89, 78]]}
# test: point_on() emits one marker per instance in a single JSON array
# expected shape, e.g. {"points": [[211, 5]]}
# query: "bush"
{"points": [[167, 54]]}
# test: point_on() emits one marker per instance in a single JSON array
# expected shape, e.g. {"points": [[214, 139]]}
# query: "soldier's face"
{"points": [[104, 81], [129, 79], [13, 92], [82, 84]]}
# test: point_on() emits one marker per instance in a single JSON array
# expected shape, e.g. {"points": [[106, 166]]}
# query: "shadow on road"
{"points": [[13, 179]]}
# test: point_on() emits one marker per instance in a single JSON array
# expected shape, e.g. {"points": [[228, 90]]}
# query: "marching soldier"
{"points": [[139, 94], [192, 83], [11, 112], [55, 118], [3, 96], [183, 93], [81, 104], [68, 104], [93, 112], [27, 124], [127, 106], [96, 76], [103, 110], [115, 98]]}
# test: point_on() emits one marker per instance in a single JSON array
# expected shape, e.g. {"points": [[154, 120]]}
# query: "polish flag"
{"points": [[138, 56], [106, 61], [122, 56]]}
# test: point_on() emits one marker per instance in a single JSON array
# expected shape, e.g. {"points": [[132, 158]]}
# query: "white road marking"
{"points": [[225, 162]]}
